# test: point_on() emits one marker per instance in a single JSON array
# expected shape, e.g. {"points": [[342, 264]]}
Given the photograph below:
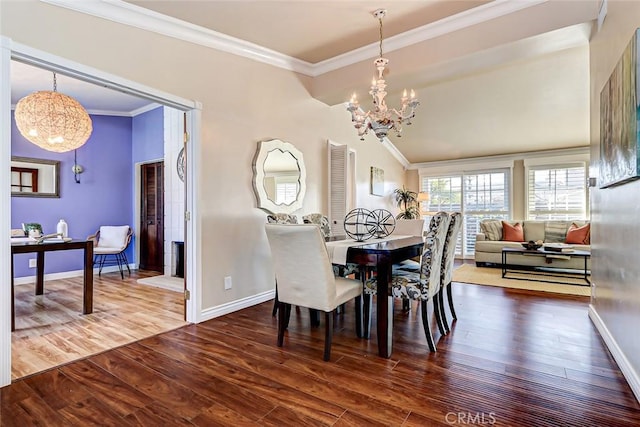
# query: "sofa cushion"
{"points": [[492, 229], [533, 230], [555, 231], [578, 235], [512, 233]]}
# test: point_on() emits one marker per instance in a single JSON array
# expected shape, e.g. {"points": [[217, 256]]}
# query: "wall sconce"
{"points": [[76, 168]]}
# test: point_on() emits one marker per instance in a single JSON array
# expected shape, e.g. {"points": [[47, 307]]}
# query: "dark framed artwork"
{"points": [[377, 181], [619, 114]]}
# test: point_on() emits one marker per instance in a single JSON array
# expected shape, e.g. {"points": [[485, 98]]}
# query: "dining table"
{"points": [[379, 254], [24, 246]]}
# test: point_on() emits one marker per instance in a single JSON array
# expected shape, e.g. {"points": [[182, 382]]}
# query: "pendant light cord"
{"points": [[55, 81], [379, 20]]}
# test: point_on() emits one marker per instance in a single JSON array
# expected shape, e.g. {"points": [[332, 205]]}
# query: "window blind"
{"points": [[557, 192]]}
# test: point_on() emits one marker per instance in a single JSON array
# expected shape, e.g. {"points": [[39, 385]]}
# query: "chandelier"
{"points": [[53, 121], [382, 119]]}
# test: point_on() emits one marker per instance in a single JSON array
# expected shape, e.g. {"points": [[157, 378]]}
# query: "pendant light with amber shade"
{"points": [[53, 121]]}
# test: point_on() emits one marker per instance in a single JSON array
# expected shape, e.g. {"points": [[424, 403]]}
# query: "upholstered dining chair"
{"points": [[419, 286], [409, 227], [305, 277], [446, 271], [109, 245]]}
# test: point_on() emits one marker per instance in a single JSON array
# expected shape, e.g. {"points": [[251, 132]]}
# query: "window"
{"points": [[286, 192], [477, 195], [557, 192], [24, 180]]}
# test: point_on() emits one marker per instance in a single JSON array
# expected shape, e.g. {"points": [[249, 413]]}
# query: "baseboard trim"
{"points": [[66, 274], [625, 366], [221, 310]]}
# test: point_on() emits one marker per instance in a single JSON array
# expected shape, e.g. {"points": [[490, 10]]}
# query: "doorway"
{"points": [[152, 217], [53, 63]]}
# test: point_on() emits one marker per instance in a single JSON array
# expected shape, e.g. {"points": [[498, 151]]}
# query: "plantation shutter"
{"points": [[557, 192], [338, 170]]}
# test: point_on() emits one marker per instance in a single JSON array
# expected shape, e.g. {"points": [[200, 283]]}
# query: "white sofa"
{"points": [[490, 251]]}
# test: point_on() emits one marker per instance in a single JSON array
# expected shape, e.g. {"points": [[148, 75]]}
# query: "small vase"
{"points": [[62, 228]]}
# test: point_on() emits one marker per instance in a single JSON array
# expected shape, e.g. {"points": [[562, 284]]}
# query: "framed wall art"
{"points": [[377, 181], [619, 114]]}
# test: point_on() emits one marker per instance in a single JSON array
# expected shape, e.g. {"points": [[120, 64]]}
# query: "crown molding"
{"points": [[395, 152], [145, 19]]}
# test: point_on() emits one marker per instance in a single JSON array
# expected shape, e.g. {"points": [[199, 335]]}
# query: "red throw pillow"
{"points": [[512, 233], [579, 235]]}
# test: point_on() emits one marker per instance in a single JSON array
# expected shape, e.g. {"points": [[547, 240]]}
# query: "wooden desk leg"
{"points": [[87, 306], [385, 311], [40, 274], [13, 312]]}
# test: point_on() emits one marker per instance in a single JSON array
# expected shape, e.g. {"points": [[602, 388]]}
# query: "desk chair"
{"points": [[109, 245], [305, 277]]}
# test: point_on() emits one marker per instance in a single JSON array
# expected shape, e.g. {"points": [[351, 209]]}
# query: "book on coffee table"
{"points": [[558, 247]]}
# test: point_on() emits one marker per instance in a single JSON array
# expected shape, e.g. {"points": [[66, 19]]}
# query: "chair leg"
{"points": [[275, 303], [366, 315], [315, 317], [358, 304], [328, 335], [119, 261], [450, 298], [406, 305], [287, 315], [443, 313], [438, 312], [282, 322], [101, 263], [425, 324], [126, 262]]}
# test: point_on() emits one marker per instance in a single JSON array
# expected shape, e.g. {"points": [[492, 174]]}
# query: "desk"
{"points": [[382, 256], [40, 249]]}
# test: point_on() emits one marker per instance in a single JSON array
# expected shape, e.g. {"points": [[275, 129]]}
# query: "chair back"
{"points": [[282, 218], [431, 262], [301, 262], [449, 252], [117, 237], [409, 227], [321, 221]]}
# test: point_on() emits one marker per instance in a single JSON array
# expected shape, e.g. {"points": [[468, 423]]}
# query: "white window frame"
{"points": [[567, 161]]}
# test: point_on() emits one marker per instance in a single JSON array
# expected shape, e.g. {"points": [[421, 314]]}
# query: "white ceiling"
{"points": [[430, 43]]}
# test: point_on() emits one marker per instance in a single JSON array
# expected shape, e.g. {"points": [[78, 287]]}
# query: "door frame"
{"points": [[12, 50]]}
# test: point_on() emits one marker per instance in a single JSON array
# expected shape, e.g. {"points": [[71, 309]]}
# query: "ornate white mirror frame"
{"points": [[259, 174]]}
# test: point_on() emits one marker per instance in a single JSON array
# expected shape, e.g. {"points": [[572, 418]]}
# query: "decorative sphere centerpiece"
{"points": [[360, 224], [385, 222]]}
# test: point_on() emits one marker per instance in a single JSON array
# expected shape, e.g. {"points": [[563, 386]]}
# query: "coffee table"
{"points": [[546, 272]]}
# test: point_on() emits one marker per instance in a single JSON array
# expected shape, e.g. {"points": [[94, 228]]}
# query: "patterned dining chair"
{"points": [[321, 221], [419, 286], [446, 271]]}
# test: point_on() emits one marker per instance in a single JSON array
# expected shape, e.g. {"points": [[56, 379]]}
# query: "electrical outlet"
{"points": [[33, 263], [227, 283]]}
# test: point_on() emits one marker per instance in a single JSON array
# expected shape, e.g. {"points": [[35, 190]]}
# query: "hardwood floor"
{"points": [[50, 329], [513, 358]]}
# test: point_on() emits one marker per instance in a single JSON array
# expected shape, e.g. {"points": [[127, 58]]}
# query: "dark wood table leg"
{"points": [[384, 311], [87, 306], [13, 312], [40, 273]]}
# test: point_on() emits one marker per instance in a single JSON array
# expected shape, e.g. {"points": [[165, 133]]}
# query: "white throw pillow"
{"points": [[113, 236]]}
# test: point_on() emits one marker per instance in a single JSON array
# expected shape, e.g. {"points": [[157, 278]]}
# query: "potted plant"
{"points": [[406, 200]]}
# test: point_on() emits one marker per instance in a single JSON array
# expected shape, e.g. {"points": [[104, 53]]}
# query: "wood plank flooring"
{"points": [[513, 358], [51, 329]]}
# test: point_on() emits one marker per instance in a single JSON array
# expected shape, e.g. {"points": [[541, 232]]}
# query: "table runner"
{"points": [[338, 249]]}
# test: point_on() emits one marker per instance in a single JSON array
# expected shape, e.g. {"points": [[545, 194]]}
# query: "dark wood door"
{"points": [[152, 217]]}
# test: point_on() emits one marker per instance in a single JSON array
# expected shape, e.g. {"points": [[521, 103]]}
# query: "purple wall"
{"points": [[148, 136], [104, 196]]}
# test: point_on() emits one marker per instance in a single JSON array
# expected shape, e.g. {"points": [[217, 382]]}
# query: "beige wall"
{"points": [[243, 102], [615, 211]]}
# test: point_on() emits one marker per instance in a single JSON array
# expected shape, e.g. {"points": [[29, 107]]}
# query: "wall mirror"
{"points": [[35, 177], [279, 177]]}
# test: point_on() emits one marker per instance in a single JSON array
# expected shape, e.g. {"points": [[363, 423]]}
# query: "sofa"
{"points": [[489, 243]]}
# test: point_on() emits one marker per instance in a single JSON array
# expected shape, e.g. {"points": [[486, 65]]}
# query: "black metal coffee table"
{"points": [[547, 272]]}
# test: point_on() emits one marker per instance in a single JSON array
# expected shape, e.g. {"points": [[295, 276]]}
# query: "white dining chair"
{"points": [[409, 227], [305, 277], [110, 244]]}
